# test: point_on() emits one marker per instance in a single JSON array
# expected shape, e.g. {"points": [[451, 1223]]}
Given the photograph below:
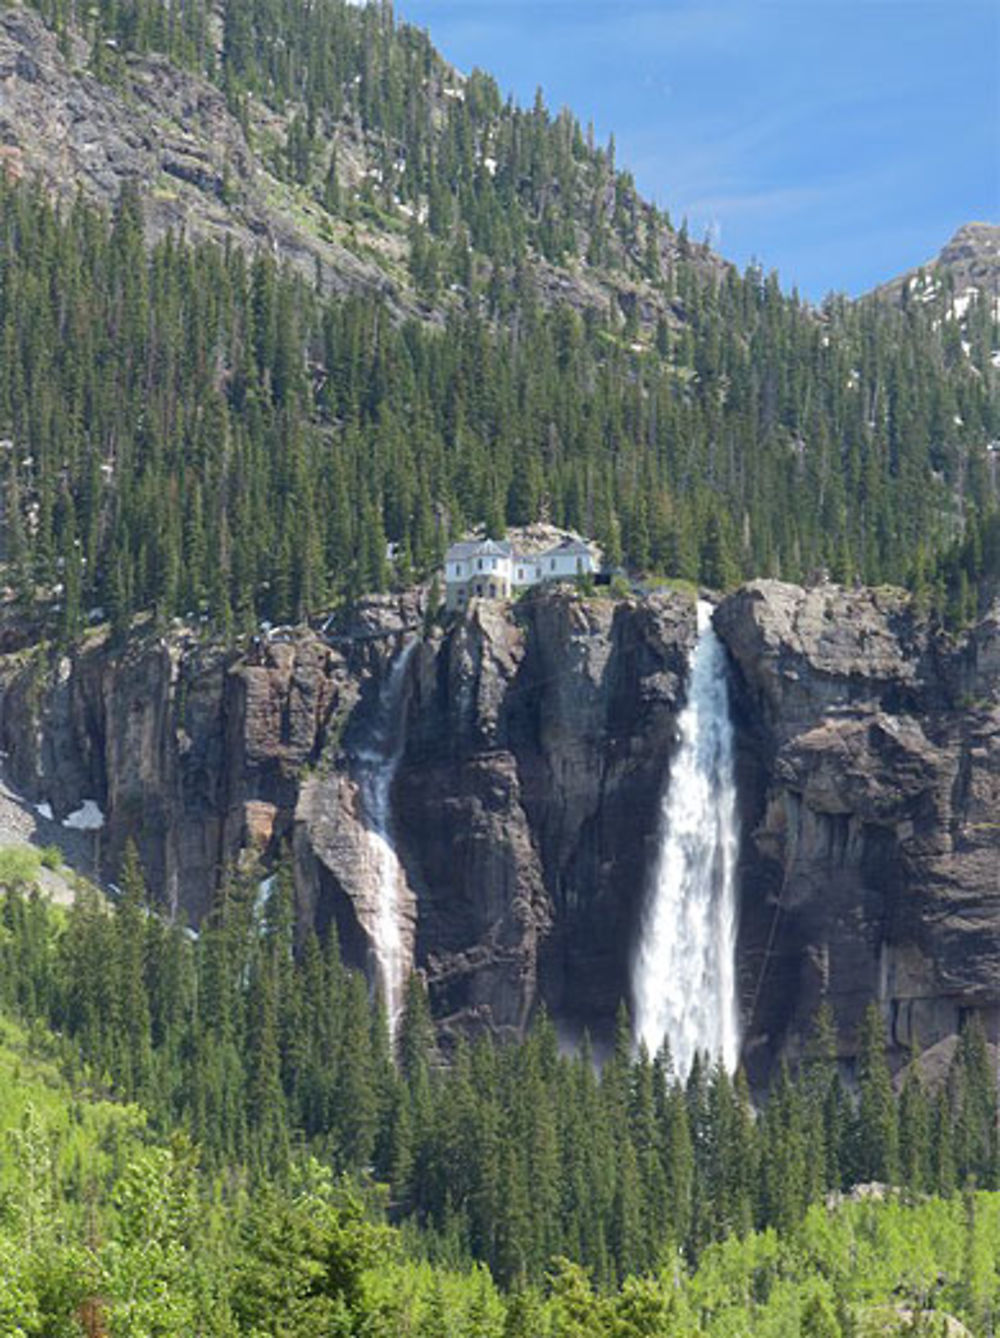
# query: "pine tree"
{"points": [[878, 1134], [914, 1132]]}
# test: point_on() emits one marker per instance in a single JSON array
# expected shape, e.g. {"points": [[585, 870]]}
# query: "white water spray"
{"points": [[375, 769], [684, 979]]}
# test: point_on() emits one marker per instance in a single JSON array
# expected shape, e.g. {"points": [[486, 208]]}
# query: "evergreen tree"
{"points": [[878, 1134]]}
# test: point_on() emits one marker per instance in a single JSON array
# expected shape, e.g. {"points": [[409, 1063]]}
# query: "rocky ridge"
{"points": [[969, 260]]}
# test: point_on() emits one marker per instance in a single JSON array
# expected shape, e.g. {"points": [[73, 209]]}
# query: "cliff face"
{"points": [[534, 749], [870, 785], [531, 748]]}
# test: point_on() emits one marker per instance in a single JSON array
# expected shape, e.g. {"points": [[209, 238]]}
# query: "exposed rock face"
{"points": [[870, 783], [971, 259], [536, 752], [168, 131], [536, 745]]}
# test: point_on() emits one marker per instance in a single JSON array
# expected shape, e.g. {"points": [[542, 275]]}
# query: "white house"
{"points": [[494, 569]]}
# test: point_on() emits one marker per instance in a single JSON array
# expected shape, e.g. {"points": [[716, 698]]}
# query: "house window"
{"points": [[479, 587], [493, 591], [520, 573], [552, 564], [479, 564], [579, 564]]}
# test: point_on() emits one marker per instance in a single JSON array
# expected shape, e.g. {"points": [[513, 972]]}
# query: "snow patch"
{"points": [[87, 818], [44, 811], [961, 303]]}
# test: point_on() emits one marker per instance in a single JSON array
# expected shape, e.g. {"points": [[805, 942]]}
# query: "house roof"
{"points": [[569, 547], [479, 548]]}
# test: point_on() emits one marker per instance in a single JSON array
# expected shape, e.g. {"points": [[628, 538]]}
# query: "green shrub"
{"points": [[19, 866]]}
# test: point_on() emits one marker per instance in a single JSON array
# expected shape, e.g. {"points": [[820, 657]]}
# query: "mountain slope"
{"points": [[165, 129], [324, 182], [268, 401]]}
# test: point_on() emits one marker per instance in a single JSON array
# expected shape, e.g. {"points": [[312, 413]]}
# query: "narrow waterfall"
{"points": [[375, 769], [684, 979]]}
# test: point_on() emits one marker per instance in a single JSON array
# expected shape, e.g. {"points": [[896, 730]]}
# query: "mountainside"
{"points": [[151, 399], [534, 750], [335, 185], [347, 298], [162, 128]]}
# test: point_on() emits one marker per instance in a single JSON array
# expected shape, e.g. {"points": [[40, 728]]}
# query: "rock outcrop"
{"points": [[535, 745], [870, 785], [969, 260], [170, 133]]}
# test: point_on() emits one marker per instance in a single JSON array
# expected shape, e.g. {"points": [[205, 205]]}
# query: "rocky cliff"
{"points": [[535, 745], [870, 786]]}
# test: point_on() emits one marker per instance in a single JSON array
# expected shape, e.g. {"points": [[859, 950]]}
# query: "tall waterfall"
{"points": [[375, 770], [684, 980]]}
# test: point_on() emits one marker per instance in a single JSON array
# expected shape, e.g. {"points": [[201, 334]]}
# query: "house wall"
{"points": [[525, 572], [480, 585], [556, 565]]}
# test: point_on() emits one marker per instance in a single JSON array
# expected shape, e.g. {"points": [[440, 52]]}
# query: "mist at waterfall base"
{"points": [[684, 977], [375, 769]]}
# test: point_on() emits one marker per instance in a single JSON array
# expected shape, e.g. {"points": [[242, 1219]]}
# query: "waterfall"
{"points": [[375, 769], [684, 980]]}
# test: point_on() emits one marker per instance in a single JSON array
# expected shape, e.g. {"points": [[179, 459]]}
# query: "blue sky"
{"points": [[837, 141]]}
